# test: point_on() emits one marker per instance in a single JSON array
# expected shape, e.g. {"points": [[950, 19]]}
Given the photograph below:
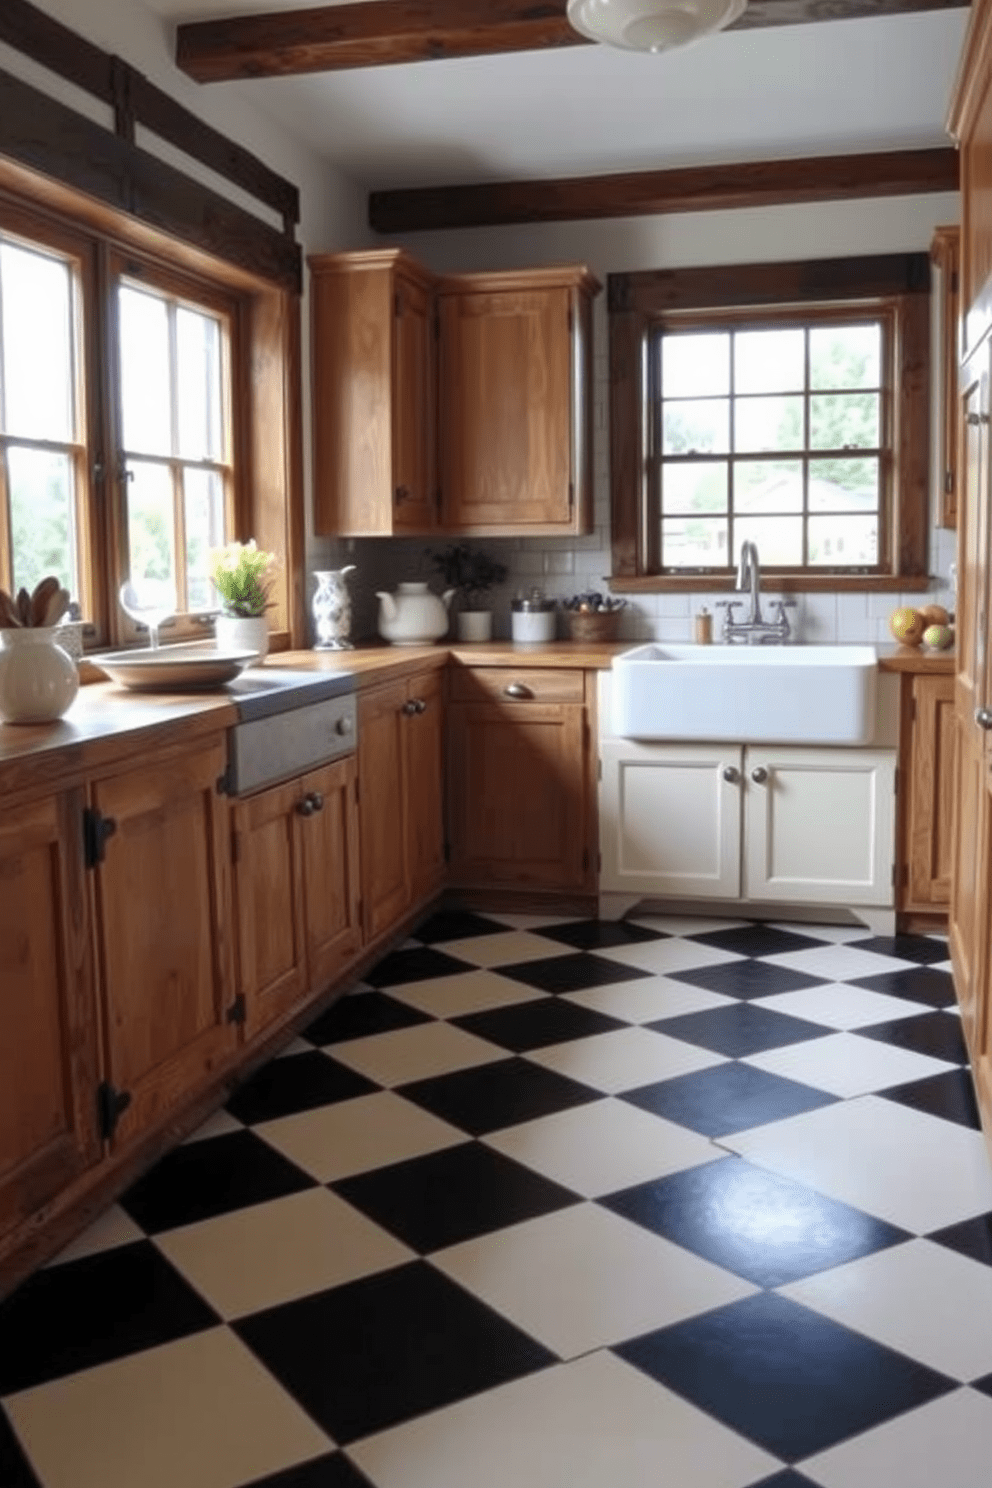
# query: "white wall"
{"points": [[333, 208], [755, 235]]}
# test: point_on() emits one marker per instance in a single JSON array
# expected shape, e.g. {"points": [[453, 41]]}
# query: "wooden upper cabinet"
{"points": [[515, 402], [970, 123], [48, 1046], [162, 896], [945, 251], [374, 387], [460, 404]]}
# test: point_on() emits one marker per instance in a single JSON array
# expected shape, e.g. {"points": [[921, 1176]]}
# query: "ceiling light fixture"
{"points": [[651, 25]]}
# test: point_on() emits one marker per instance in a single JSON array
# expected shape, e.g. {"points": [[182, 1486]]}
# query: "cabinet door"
{"points": [[819, 825], [329, 848], [414, 416], [48, 1056], [162, 925], [670, 819], [269, 904], [928, 783], [969, 905], [506, 409], [382, 815], [424, 741]]}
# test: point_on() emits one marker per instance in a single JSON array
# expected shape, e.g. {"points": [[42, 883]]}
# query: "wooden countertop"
{"points": [[107, 724], [916, 659]]}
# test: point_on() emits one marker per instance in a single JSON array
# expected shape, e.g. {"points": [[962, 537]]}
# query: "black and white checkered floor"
{"points": [[665, 1204]]}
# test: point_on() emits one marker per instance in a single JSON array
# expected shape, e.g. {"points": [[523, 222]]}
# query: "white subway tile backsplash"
{"points": [[853, 624], [559, 563]]}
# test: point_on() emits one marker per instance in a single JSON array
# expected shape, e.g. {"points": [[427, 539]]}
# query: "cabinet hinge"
{"points": [[110, 1107], [955, 282], [237, 1012], [96, 829], [895, 781], [948, 482], [223, 786], [599, 769], [571, 495]]}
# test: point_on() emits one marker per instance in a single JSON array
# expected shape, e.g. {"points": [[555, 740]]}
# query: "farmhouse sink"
{"points": [[746, 694]]}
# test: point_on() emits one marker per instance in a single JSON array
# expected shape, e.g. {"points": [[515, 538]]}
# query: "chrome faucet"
{"points": [[755, 630]]}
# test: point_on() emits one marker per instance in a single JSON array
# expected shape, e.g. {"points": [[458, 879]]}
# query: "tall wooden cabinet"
{"points": [[971, 123], [459, 404], [48, 1040]]}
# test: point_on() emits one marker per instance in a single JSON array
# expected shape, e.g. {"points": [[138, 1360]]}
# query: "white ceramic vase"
{"points": [[474, 625], [243, 633], [413, 616], [38, 680]]}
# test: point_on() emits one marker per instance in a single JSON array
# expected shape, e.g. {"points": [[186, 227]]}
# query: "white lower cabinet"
{"points": [[760, 823]]}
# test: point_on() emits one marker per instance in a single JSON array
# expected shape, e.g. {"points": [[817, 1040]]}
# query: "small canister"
{"points": [[534, 619]]}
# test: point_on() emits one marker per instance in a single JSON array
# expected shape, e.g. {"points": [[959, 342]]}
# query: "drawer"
{"points": [[518, 685]]}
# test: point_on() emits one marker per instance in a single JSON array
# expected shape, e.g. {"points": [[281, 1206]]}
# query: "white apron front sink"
{"points": [[746, 694]]}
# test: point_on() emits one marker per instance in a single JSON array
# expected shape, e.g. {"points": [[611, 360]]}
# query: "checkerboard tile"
{"points": [[548, 1201]]}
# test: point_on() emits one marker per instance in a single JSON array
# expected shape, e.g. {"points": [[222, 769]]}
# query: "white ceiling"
{"points": [[831, 87]]}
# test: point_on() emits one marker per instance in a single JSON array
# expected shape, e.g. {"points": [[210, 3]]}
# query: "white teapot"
{"points": [[413, 616]]}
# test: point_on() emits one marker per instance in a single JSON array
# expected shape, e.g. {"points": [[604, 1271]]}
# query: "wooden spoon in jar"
{"points": [[42, 597], [9, 618]]}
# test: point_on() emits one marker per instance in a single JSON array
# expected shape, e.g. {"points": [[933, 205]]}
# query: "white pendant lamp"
{"points": [[651, 25]]}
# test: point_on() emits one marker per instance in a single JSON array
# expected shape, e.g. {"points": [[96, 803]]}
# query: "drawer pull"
{"points": [[410, 707], [305, 807], [517, 690], [983, 717], [759, 775]]}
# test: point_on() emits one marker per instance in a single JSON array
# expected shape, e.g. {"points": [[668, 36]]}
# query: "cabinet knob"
{"points": [[731, 774], [402, 494], [345, 726], [305, 807], [421, 705], [759, 775], [983, 717], [410, 707], [316, 800], [517, 690], [976, 418]]}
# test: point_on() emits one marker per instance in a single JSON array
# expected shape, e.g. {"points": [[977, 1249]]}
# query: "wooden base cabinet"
{"points": [[926, 763], [48, 1042], [401, 814], [296, 887], [161, 924], [520, 784]]}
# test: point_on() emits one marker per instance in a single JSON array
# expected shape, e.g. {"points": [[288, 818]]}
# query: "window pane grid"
{"points": [[196, 460], [42, 456], [705, 521]]}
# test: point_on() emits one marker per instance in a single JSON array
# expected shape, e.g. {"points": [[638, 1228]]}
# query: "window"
{"points": [[175, 439], [43, 450], [799, 425], [149, 411]]}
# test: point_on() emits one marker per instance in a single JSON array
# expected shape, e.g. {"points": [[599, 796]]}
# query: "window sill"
{"points": [[795, 583]]}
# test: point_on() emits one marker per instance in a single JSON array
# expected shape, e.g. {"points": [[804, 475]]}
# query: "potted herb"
{"points": [[471, 573], [243, 576]]}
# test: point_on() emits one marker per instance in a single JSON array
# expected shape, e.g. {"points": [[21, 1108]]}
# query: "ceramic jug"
{"points": [[38, 681], [413, 616], [331, 609]]}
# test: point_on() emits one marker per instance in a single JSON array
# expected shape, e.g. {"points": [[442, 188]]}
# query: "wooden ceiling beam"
{"points": [[329, 38], [706, 188]]}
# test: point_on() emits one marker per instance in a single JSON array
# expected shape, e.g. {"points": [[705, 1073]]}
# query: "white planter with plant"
{"points": [[471, 573], [242, 575]]}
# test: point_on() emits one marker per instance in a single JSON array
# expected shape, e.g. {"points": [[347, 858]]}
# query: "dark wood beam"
{"points": [[137, 101], [705, 188], [331, 37], [46, 136], [327, 38]]}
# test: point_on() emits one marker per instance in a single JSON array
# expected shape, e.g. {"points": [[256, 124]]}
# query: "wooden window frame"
{"points": [[896, 285], [266, 389]]}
